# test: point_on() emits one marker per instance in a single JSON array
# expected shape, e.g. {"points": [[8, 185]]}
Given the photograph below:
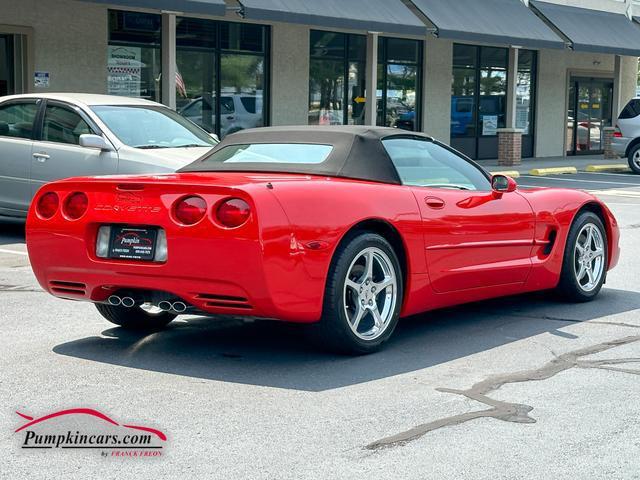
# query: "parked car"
{"points": [[626, 137], [53, 136], [237, 112], [343, 228]]}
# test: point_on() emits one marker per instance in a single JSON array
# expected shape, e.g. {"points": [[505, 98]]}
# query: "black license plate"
{"points": [[133, 243]]}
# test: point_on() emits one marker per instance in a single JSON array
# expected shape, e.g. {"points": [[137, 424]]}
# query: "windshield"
{"points": [[152, 127], [298, 153]]}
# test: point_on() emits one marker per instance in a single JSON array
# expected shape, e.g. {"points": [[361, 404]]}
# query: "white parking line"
{"points": [[2, 250], [581, 181], [607, 173], [616, 193]]}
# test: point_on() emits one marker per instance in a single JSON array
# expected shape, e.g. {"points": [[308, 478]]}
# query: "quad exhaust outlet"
{"points": [[164, 305], [167, 306]]}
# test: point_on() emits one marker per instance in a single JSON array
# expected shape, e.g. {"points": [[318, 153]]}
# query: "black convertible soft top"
{"points": [[357, 152]]}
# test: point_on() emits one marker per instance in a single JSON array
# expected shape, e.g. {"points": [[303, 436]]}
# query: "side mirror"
{"points": [[503, 184], [95, 141], [215, 137]]}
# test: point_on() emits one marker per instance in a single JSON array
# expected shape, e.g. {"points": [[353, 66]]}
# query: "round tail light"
{"points": [[233, 212], [47, 205], [76, 205], [190, 210]]}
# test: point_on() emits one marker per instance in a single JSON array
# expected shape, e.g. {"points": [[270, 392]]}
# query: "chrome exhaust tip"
{"points": [[114, 300], [164, 306], [128, 302], [179, 307]]}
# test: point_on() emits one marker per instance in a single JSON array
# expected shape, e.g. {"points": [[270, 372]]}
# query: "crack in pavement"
{"points": [[514, 412], [18, 288]]}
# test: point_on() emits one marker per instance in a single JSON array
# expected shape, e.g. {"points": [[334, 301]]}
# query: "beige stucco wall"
{"points": [[289, 74], [437, 88], [70, 41], [554, 70]]}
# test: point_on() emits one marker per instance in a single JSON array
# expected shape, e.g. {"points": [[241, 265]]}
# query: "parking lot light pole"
{"points": [[169, 62], [371, 80]]}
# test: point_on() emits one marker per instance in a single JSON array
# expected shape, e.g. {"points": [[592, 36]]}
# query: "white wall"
{"points": [[70, 41]]}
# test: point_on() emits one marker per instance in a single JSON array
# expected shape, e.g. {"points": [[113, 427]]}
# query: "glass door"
{"points": [[478, 99], [590, 111], [7, 65]]}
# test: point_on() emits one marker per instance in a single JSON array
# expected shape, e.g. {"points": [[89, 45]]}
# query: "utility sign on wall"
{"points": [[41, 79]]}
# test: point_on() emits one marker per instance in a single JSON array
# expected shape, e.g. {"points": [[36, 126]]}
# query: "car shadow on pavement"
{"points": [[278, 355], [11, 232]]}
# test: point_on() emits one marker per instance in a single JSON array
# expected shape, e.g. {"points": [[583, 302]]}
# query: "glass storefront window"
{"points": [[479, 90], [399, 74], [493, 89], [478, 98], [463, 91], [336, 78], [525, 100], [222, 74], [134, 62]]}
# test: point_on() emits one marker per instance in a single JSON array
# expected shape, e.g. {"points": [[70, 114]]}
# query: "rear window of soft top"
{"points": [[291, 153]]}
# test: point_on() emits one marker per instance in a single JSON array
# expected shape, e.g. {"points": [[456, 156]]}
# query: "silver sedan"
{"points": [[54, 136]]}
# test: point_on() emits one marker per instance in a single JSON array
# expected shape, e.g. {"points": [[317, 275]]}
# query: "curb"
{"points": [[620, 167], [541, 172], [508, 173]]}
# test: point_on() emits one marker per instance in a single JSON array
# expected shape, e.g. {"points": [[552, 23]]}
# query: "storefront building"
{"points": [[556, 72]]}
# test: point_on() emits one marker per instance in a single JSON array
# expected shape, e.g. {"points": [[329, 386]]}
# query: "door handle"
{"points": [[434, 202], [41, 157]]}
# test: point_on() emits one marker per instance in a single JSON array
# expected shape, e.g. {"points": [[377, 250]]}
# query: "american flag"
{"points": [[180, 85]]}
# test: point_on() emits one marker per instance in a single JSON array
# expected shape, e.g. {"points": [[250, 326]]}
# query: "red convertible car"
{"points": [[345, 228]]}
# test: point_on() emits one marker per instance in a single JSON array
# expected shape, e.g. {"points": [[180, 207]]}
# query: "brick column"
{"points": [[509, 146], [607, 139]]}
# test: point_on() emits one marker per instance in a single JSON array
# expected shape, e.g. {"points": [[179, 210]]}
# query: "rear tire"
{"points": [[363, 297], [135, 318], [634, 159], [584, 268]]}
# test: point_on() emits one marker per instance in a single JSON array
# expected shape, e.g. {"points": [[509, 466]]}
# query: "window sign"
{"points": [[489, 124], [41, 79], [133, 55], [124, 71]]}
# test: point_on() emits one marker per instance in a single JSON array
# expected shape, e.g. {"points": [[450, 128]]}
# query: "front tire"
{"points": [[634, 159], [584, 267], [363, 296], [135, 318]]}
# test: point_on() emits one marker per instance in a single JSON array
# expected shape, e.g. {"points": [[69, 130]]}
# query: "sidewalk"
{"points": [[579, 162]]}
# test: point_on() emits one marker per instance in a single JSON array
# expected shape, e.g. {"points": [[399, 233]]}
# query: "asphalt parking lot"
{"points": [[523, 387]]}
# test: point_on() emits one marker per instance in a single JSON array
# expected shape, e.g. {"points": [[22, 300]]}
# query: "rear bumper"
{"points": [[242, 272], [619, 145], [227, 281]]}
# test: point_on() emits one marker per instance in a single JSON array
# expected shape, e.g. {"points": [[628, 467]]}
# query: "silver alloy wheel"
{"points": [[370, 293], [588, 261], [636, 158]]}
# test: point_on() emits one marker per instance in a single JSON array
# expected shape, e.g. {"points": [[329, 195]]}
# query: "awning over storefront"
{"points": [[507, 22], [386, 16], [593, 30], [200, 7]]}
